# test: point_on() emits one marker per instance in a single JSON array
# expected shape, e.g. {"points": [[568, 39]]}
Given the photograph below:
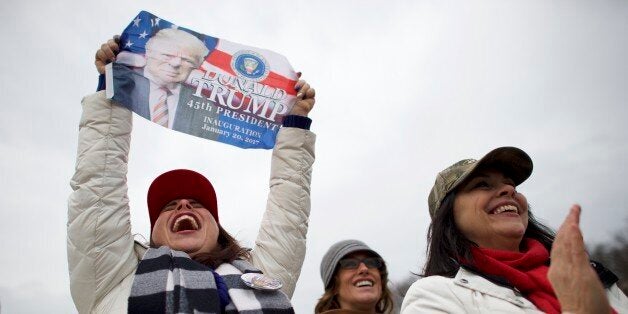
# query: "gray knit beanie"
{"points": [[336, 252]]}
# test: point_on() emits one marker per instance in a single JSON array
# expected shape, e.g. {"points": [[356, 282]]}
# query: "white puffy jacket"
{"points": [[102, 254], [468, 292]]}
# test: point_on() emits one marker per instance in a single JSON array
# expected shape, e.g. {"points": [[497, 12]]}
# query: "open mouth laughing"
{"points": [[505, 209], [364, 283], [185, 222]]}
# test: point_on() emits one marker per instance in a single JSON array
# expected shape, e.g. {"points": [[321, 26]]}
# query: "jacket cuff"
{"points": [[607, 277], [294, 121], [101, 83]]}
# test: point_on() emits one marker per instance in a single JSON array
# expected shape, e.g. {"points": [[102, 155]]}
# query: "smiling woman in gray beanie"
{"points": [[355, 280]]}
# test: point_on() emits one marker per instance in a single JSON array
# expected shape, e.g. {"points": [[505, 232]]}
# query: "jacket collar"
{"points": [[474, 281]]}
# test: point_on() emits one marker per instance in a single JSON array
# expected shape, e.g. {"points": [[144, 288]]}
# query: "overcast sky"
{"points": [[404, 89]]}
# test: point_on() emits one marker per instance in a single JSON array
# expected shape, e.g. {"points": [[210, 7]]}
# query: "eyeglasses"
{"points": [[353, 263]]}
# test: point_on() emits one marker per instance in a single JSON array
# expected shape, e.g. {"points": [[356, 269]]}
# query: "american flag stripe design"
{"points": [[282, 75]]}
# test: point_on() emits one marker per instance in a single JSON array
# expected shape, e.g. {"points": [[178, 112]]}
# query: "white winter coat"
{"points": [[468, 292], [102, 254]]}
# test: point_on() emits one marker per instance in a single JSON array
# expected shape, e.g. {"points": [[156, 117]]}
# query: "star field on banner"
{"points": [[201, 85]]}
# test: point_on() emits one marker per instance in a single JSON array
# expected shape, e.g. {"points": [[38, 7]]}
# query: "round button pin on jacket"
{"points": [[261, 281]]}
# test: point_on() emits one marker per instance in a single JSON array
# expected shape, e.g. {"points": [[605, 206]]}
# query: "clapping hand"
{"points": [[575, 282]]}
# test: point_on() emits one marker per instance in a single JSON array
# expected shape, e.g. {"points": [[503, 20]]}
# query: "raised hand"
{"points": [[305, 98], [107, 53], [575, 283]]}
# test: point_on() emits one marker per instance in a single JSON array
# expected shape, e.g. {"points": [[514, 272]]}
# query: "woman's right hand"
{"points": [[577, 286], [107, 53]]}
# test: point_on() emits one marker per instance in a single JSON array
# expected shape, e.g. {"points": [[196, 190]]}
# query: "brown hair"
{"points": [[227, 251], [329, 300]]}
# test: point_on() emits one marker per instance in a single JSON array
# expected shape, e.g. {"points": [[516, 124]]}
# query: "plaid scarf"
{"points": [[169, 281]]}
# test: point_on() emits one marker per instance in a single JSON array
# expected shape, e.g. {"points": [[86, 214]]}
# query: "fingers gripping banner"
{"points": [[201, 85]]}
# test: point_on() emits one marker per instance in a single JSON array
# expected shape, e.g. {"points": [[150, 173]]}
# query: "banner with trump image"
{"points": [[201, 85]]}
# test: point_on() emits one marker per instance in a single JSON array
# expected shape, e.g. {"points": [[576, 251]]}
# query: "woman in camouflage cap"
{"points": [[487, 252]]}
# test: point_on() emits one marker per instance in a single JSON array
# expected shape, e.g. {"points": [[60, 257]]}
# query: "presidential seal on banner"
{"points": [[250, 64]]}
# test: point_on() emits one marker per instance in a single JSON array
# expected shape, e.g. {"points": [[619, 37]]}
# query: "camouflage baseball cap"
{"points": [[512, 161]]}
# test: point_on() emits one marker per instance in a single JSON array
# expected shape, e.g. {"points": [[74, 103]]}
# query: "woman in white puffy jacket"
{"points": [[488, 254], [193, 265]]}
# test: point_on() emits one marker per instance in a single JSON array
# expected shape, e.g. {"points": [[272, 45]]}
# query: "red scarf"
{"points": [[526, 270]]}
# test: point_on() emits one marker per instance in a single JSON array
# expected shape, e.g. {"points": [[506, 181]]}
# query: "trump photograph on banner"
{"points": [[201, 85]]}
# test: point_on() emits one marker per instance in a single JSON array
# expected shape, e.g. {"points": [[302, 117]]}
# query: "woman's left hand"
{"points": [[305, 98], [575, 282]]}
